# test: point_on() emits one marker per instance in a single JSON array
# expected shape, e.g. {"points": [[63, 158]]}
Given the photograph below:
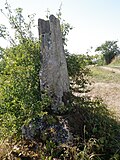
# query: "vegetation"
{"points": [[78, 72], [116, 62], [107, 76], [109, 50], [95, 130], [19, 85]]}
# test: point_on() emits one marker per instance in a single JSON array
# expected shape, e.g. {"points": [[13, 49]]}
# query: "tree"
{"points": [[109, 49]]}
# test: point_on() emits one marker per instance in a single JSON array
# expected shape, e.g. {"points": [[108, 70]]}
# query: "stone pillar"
{"points": [[53, 75]]}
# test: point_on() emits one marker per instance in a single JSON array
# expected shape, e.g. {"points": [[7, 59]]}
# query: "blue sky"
{"points": [[94, 21]]}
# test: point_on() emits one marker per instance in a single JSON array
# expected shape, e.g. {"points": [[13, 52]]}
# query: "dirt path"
{"points": [[109, 92], [112, 69]]}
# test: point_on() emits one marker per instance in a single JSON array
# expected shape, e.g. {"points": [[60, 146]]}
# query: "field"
{"points": [[106, 85]]}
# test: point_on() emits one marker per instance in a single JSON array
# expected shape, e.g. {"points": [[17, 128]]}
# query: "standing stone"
{"points": [[53, 75]]}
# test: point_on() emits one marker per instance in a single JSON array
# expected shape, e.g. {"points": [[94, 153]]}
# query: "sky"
{"points": [[93, 21]]}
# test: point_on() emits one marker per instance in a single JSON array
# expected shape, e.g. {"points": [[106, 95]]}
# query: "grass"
{"points": [[107, 86], [109, 90], [102, 75]]}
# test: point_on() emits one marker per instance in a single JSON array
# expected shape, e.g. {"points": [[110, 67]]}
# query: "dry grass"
{"points": [[105, 74], [106, 85], [5, 148]]}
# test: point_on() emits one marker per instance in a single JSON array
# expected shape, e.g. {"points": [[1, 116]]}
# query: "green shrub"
{"points": [[78, 72], [20, 88], [20, 99]]}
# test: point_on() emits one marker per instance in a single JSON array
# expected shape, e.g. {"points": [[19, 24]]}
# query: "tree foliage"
{"points": [[109, 49], [21, 30]]}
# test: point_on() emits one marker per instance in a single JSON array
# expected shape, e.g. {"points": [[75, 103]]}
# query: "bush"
{"points": [[78, 72], [20, 99], [20, 88]]}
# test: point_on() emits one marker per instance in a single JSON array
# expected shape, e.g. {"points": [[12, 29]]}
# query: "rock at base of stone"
{"points": [[49, 128]]}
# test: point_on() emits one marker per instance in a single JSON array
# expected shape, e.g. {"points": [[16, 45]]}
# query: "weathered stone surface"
{"points": [[53, 75], [53, 80]]}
